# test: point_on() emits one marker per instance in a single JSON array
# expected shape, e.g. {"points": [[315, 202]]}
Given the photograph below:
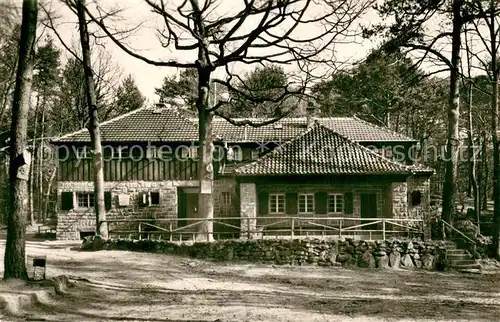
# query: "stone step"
{"points": [[469, 266], [456, 251], [457, 256], [471, 271], [462, 262]]}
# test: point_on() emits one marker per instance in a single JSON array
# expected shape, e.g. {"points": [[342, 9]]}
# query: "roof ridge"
{"points": [[318, 125], [119, 117], [184, 117], [368, 150], [278, 150], [383, 128]]}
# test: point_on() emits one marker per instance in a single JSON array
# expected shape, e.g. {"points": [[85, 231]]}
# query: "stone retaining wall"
{"points": [[348, 253]]}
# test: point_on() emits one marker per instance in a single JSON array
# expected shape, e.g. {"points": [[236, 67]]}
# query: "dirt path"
{"points": [[127, 286]]}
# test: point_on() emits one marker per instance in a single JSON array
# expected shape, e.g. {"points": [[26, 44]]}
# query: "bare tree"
{"points": [[487, 29], [93, 125], [14, 263], [470, 130], [413, 18], [251, 32]]}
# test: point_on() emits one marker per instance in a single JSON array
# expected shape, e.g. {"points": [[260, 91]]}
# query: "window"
{"points": [[85, 199], [235, 153], [82, 152], [255, 155], [335, 203], [306, 203], [226, 198], [416, 197], [155, 198], [277, 203], [123, 152], [388, 153], [193, 152], [164, 153], [238, 155]]}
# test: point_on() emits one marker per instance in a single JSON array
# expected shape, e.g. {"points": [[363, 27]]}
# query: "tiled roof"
{"points": [[288, 128], [142, 125], [147, 124], [321, 151]]}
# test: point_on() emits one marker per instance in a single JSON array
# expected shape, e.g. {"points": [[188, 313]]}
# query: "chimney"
{"points": [[310, 112], [160, 105], [157, 109]]}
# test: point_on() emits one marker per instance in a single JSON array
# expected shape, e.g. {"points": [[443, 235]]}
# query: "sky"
{"points": [[145, 41]]}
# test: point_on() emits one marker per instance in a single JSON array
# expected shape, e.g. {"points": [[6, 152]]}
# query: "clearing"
{"points": [[129, 286]]}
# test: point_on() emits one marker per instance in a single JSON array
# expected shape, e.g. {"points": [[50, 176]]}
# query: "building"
{"points": [[310, 167]]}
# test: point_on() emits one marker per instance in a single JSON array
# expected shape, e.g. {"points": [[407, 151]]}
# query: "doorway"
{"points": [[369, 208], [187, 205]]}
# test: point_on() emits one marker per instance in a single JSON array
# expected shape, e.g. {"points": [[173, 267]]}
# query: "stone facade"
{"points": [[419, 184], [72, 223], [248, 206], [393, 201], [420, 209], [399, 200]]}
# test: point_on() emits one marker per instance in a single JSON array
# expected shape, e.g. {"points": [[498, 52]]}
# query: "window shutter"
{"points": [[107, 200], [144, 199], [348, 203], [263, 203], [66, 200], [320, 199], [291, 203], [181, 204]]}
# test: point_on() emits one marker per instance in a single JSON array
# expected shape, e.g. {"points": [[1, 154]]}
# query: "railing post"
{"points": [[293, 227], [208, 232], [248, 228], [383, 229], [170, 231], [140, 229], [340, 227]]}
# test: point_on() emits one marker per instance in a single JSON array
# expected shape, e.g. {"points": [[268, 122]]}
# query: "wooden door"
{"points": [[187, 206], [369, 208]]}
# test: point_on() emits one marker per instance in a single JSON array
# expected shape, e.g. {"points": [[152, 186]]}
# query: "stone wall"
{"points": [[421, 210], [226, 185], [399, 200], [71, 223], [348, 253], [248, 206], [422, 184]]}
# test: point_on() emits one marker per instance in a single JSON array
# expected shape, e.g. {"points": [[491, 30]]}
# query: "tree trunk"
{"points": [[473, 184], [449, 191], [205, 164], [484, 161], [6, 92], [93, 126], [472, 161], [494, 136], [31, 185], [14, 262], [40, 165], [47, 194]]}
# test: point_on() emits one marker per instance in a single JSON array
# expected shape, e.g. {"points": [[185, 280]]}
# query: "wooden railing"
{"points": [[447, 226], [267, 227]]}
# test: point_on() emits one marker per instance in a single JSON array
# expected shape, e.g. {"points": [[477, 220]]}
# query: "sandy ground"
{"points": [[128, 286]]}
